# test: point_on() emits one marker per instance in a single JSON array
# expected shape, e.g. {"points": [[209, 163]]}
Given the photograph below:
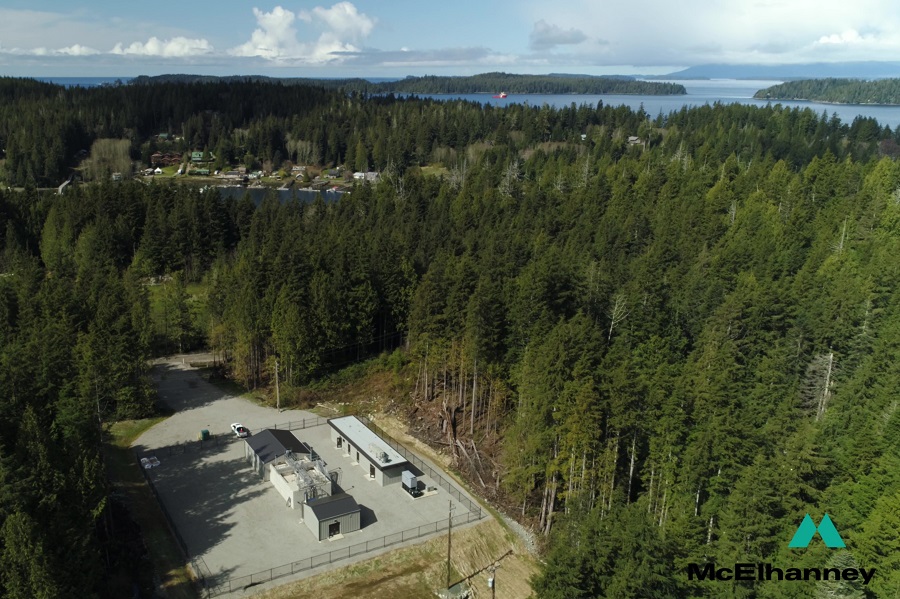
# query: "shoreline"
{"points": [[831, 103]]}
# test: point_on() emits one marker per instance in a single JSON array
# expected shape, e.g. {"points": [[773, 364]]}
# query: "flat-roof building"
{"points": [[355, 440]]}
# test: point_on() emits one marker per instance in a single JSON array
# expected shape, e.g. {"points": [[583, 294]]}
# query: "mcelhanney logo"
{"points": [[807, 531], [743, 571]]}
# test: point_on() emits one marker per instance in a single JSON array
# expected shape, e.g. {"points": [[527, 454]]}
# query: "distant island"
{"points": [[475, 84], [836, 91], [786, 72]]}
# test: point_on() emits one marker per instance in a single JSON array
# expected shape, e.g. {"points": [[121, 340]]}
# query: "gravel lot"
{"points": [[236, 523]]}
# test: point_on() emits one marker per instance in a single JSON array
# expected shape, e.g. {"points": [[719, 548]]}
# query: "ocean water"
{"points": [[84, 81], [700, 92]]}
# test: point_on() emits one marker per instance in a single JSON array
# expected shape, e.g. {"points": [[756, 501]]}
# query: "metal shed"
{"points": [[330, 516], [266, 446]]}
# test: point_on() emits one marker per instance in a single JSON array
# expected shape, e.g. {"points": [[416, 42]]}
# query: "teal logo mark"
{"points": [[807, 531]]}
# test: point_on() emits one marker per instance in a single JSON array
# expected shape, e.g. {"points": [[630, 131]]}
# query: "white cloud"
{"points": [[853, 45], [74, 50], [545, 36], [736, 31], [73, 33], [343, 20], [851, 38], [276, 37], [176, 47], [78, 50]]}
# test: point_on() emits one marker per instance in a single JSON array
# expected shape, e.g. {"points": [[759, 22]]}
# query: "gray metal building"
{"points": [[268, 445], [330, 516], [355, 440]]}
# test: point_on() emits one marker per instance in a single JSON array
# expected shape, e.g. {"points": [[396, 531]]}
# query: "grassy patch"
{"points": [[344, 376], [199, 296], [417, 572], [434, 170], [126, 432], [359, 372], [125, 476], [364, 387], [168, 171]]}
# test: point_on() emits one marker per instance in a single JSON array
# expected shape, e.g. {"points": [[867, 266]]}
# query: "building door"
{"points": [[371, 470], [334, 529], [357, 456], [340, 442]]}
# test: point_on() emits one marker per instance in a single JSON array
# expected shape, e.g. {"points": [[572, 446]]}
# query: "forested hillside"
{"points": [[675, 350], [838, 91], [253, 122], [474, 84]]}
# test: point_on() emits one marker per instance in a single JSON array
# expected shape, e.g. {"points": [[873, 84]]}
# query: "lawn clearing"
{"points": [[417, 572]]}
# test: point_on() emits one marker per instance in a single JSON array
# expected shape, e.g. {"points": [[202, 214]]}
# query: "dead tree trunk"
{"points": [[826, 392], [474, 402], [612, 478], [816, 390], [617, 313], [451, 430], [631, 468], [550, 506]]}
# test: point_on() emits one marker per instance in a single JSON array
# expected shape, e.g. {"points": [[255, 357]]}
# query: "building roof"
{"points": [[333, 506], [270, 444], [367, 442]]}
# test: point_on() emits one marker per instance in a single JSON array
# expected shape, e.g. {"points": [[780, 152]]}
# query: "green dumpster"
{"points": [[204, 435]]}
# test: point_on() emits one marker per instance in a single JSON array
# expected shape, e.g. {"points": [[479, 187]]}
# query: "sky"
{"points": [[395, 38]]}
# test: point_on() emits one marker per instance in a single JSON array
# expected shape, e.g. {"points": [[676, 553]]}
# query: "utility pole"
{"points": [[449, 529], [277, 391], [492, 581]]}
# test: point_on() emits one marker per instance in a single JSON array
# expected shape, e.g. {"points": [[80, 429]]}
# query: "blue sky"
{"points": [[400, 37]]}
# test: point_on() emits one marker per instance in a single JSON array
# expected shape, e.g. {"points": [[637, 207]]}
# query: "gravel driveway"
{"points": [[200, 405]]}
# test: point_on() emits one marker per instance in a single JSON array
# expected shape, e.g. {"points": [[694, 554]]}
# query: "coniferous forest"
{"points": [[676, 348], [840, 91], [483, 83]]}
